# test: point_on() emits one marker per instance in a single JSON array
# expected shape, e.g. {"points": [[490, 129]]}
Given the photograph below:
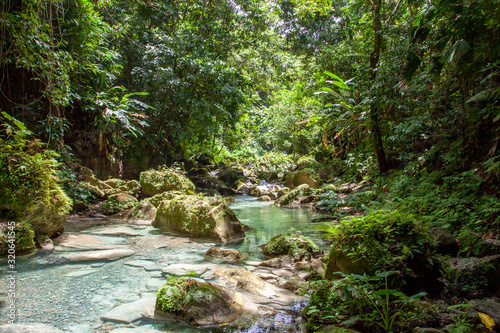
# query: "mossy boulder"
{"points": [[306, 176], [254, 191], [295, 246], [382, 241], [290, 197], [199, 217], [131, 187], [118, 202], [231, 175], [197, 303], [155, 182], [23, 237], [273, 166]]}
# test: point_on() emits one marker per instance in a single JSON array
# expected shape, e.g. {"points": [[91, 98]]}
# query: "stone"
{"points": [[274, 262], [282, 191], [290, 197], [254, 191], [446, 243], [293, 284], [489, 306], [264, 198], [80, 273], [118, 202], [29, 328], [130, 312], [83, 328], [302, 177], [140, 329], [464, 273], [294, 246], [231, 255], [155, 182], [200, 303], [199, 217], [99, 255], [116, 231], [184, 269]]}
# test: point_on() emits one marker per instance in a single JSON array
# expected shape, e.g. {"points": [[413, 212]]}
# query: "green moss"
{"points": [[155, 182], [24, 235], [293, 194], [382, 241], [295, 246], [118, 202], [131, 187], [190, 299]]}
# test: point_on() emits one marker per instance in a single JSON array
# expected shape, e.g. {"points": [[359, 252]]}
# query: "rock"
{"points": [[250, 282], [231, 175], [200, 303], [184, 269], [315, 265], [274, 262], [118, 202], [282, 191], [254, 191], [293, 284], [99, 255], [24, 237], [264, 198], [130, 312], [69, 241], [140, 329], [80, 273], [302, 177], [232, 255], [489, 306], [145, 211], [290, 197], [199, 217], [29, 328], [117, 231], [155, 182], [294, 246], [83, 328], [131, 187], [476, 276], [446, 243], [475, 245]]}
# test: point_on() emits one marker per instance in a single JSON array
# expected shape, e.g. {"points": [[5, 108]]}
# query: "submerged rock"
{"points": [[199, 217], [130, 312], [184, 269], [99, 255], [200, 303], [29, 328], [155, 182]]}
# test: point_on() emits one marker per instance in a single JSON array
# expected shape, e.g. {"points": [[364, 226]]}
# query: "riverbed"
{"points": [[63, 289]]}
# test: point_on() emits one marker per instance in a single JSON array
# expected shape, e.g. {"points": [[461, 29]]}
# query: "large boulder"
{"points": [[301, 177], [155, 182], [131, 187], [199, 217], [294, 246], [199, 303], [231, 175], [382, 241], [229, 255]]}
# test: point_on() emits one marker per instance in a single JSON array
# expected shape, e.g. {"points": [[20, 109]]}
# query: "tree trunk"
{"points": [[374, 108]]}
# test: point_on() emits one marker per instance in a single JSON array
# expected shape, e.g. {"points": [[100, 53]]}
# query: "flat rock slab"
{"points": [[132, 311], [116, 231], [99, 255], [29, 328], [140, 329], [80, 273], [144, 264], [184, 269], [86, 242]]}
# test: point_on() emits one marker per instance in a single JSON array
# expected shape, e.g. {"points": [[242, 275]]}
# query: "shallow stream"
{"points": [[58, 289]]}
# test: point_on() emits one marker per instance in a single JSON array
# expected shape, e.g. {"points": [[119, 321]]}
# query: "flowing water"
{"points": [[73, 295]]}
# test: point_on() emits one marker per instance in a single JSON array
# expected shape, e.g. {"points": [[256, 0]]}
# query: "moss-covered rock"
{"points": [[231, 175], [228, 255], [23, 235], [199, 217], [382, 241], [254, 191], [131, 187], [118, 202], [295, 246], [290, 197], [155, 182], [197, 303], [273, 166], [306, 176], [475, 276]]}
